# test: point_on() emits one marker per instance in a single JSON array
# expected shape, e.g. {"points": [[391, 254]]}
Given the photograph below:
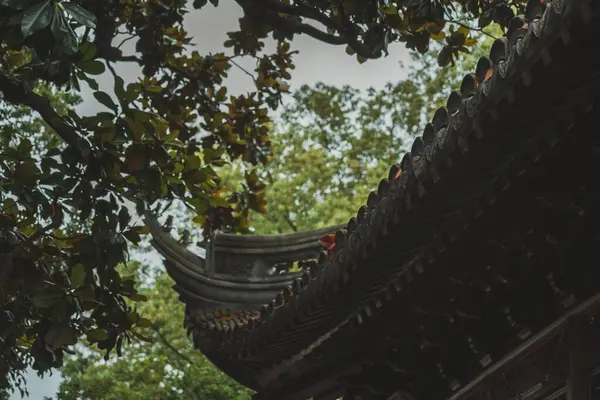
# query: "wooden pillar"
{"points": [[579, 380]]}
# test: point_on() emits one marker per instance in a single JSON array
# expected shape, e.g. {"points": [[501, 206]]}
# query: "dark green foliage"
{"points": [[162, 365], [71, 200]]}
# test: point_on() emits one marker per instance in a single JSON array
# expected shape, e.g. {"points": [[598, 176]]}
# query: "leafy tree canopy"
{"points": [[163, 365], [70, 205]]}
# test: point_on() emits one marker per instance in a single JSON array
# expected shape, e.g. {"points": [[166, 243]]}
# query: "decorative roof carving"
{"points": [[215, 284]]}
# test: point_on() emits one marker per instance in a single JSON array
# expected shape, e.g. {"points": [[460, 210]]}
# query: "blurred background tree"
{"points": [[162, 364]]}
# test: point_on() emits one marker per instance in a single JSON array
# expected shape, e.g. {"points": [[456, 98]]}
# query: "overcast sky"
{"points": [[315, 62]]}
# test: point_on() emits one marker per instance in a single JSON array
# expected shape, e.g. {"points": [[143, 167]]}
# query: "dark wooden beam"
{"points": [[333, 395], [315, 387], [585, 308], [579, 381]]}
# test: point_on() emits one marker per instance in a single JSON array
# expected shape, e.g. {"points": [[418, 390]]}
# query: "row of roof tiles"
{"points": [[510, 60]]}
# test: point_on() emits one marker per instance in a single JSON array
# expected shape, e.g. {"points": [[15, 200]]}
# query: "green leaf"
{"points": [[104, 99], [133, 90], [26, 172], [163, 187], [200, 205], [361, 59], [75, 83], [438, 36], [46, 298], [120, 90], [92, 67], [93, 84], [144, 323], [138, 297], [199, 219], [177, 168], [119, 345], [136, 158], [192, 162], [142, 229], [85, 293], [96, 335], [59, 336], [124, 218], [88, 51], [133, 317], [90, 81], [195, 176], [219, 202], [154, 89], [80, 14], [9, 206], [77, 275], [37, 17], [24, 149], [107, 133], [64, 36], [445, 56], [132, 236], [198, 4]]}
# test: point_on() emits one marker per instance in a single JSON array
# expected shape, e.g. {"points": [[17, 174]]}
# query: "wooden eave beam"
{"points": [[551, 331], [316, 388]]}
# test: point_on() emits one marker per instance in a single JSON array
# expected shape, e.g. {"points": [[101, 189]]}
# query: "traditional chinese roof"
{"points": [[238, 271], [487, 237]]}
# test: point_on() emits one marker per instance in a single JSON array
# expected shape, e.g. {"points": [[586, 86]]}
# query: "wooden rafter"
{"points": [[558, 327]]}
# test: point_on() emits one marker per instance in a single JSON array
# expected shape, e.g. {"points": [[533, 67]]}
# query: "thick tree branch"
{"points": [[268, 12], [320, 35], [16, 93], [300, 10]]}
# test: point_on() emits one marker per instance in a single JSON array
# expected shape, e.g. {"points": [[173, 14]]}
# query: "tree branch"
{"points": [[16, 93], [287, 218], [244, 70], [482, 30], [171, 347], [300, 10], [268, 12]]}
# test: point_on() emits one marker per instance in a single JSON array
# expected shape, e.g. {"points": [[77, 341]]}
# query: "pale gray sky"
{"points": [[315, 62]]}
